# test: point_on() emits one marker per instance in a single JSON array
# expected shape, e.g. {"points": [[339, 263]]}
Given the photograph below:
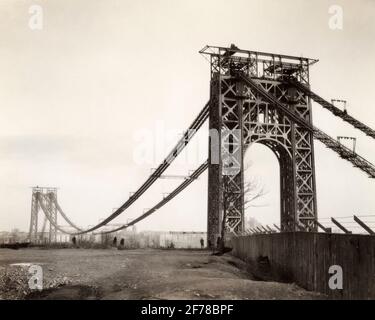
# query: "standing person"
{"points": [[122, 244], [218, 243], [202, 243]]}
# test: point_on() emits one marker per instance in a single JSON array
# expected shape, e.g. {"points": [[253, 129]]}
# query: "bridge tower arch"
{"points": [[243, 86]]}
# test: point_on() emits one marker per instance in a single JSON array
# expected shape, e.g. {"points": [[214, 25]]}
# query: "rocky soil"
{"points": [[136, 274]]}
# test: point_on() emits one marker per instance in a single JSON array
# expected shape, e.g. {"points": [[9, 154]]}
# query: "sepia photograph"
{"points": [[187, 156]]}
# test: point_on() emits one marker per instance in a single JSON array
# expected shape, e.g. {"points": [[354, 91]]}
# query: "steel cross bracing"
{"points": [[331, 107], [297, 172], [33, 232], [237, 105], [330, 142], [51, 206], [39, 201]]}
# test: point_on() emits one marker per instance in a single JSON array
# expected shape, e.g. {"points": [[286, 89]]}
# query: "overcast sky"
{"points": [[76, 95]]}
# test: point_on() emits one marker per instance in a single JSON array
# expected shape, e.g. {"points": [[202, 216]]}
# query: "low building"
{"points": [[183, 240]]}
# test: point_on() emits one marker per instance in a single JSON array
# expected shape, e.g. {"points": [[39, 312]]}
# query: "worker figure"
{"points": [[202, 243], [218, 243], [122, 244], [115, 241]]}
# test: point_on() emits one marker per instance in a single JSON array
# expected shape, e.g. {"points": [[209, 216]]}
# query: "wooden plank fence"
{"points": [[305, 258]]}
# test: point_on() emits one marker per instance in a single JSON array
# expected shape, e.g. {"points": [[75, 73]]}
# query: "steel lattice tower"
{"points": [[47, 196], [51, 206], [33, 232], [243, 84]]}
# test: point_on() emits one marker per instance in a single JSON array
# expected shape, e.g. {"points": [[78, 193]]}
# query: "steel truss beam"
{"points": [[332, 108]]}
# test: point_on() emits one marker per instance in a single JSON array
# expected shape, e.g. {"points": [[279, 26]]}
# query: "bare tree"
{"points": [[253, 190]]}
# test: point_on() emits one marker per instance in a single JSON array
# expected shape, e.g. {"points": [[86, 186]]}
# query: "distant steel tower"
{"points": [[51, 206], [35, 207], [47, 197]]}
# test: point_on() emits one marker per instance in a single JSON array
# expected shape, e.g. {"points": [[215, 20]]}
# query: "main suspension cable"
{"points": [[165, 200], [181, 144]]}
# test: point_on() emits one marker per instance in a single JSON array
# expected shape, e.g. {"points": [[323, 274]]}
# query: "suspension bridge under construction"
{"points": [[255, 97]]}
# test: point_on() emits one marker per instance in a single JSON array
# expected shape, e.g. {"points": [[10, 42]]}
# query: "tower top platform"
{"points": [[234, 51]]}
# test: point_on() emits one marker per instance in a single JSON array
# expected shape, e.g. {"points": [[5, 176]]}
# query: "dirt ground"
{"points": [[146, 274]]}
